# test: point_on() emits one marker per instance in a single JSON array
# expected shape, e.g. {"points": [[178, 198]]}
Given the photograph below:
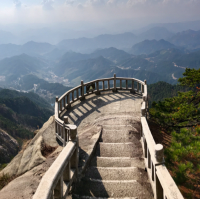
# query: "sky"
{"points": [[100, 11], [107, 15]]}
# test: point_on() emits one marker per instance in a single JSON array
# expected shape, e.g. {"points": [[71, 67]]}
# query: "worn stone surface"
{"points": [[117, 169]]}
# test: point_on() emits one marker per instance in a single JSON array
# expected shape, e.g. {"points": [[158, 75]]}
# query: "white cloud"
{"points": [[48, 4], [17, 3], [69, 2]]}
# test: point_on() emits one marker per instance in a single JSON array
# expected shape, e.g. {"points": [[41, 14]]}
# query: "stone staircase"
{"points": [[117, 170]]}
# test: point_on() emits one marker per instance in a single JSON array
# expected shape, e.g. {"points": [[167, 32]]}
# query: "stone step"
{"points": [[114, 188], [116, 173], [117, 136], [119, 127], [119, 121], [111, 162], [117, 162], [74, 196], [119, 150]]}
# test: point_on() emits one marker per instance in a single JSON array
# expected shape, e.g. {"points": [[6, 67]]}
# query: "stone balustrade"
{"points": [[57, 180], [162, 184]]}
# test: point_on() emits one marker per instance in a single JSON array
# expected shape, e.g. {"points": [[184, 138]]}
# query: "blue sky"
{"points": [[98, 12]]}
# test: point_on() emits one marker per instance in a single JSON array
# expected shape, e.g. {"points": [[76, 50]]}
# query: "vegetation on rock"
{"points": [[180, 116]]}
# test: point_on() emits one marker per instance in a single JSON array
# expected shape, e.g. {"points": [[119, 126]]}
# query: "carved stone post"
{"points": [[82, 91], [65, 131], [58, 191], [97, 87], [68, 101], [74, 138], [159, 153], [133, 89], [115, 87]]}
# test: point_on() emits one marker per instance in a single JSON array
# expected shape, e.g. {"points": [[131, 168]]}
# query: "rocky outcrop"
{"points": [[25, 185], [31, 155], [9, 147]]}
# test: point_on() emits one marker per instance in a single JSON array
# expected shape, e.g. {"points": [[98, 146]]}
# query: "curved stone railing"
{"points": [[62, 128], [59, 177]]}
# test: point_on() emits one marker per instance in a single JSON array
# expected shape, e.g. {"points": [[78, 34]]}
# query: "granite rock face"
{"points": [[9, 147], [31, 155]]}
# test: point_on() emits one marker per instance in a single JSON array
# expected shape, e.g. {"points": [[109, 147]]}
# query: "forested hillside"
{"points": [[22, 113], [179, 116]]}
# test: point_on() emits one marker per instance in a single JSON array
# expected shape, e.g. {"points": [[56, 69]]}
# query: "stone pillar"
{"points": [[58, 191], [67, 173], [115, 87], [68, 101], [126, 84], [75, 156], [159, 189], [133, 89], [65, 136], [120, 84], [72, 96], [143, 112], [60, 105], [97, 87], [77, 95], [82, 91], [159, 153]]}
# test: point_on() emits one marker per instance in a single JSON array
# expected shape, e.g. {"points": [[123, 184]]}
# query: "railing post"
{"points": [[72, 96], [97, 87], [159, 153], [68, 101], [77, 95], [115, 88], [133, 89], [64, 101], [65, 130], [75, 156], [82, 91], [58, 191], [137, 86], [126, 84], [103, 85], [67, 173]]}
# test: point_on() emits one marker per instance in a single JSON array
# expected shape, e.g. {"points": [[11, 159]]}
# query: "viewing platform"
{"points": [[123, 162]]}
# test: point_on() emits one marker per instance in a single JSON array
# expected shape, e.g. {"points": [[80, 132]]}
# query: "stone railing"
{"points": [[58, 179], [162, 184]]}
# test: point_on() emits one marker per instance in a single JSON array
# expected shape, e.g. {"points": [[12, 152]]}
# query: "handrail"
{"points": [[57, 180], [162, 183]]}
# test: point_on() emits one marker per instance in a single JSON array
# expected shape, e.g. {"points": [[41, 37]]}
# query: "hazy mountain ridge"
{"points": [[189, 39], [150, 46]]}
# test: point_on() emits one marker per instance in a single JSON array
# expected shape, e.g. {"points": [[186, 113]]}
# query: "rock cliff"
{"points": [[8, 147]]}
